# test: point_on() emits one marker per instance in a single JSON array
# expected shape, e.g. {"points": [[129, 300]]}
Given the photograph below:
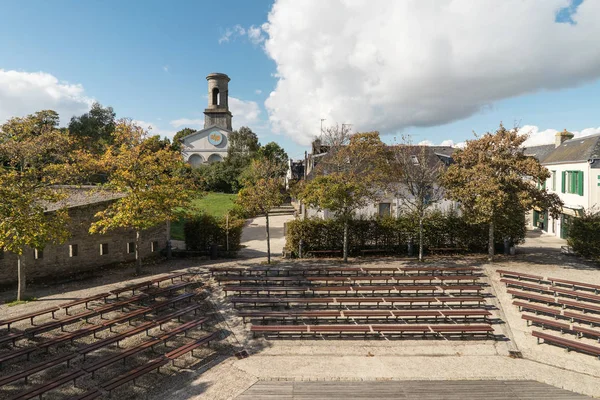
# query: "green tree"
{"points": [[94, 129], [33, 155], [177, 144], [260, 194], [584, 234], [351, 177], [154, 182], [492, 177], [277, 157]]}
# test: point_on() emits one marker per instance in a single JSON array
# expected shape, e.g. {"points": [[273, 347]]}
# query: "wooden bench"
{"points": [[133, 288], [446, 250], [85, 300], [577, 295], [578, 305], [52, 384], [227, 270], [530, 296], [134, 374], [537, 309], [172, 301], [581, 331], [566, 343], [546, 323], [261, 279], [520, 275], [190, 347], [267, 289], [145, 327], [107, 308], [155, 292], [177, 314], [34, 369], [12, 354], [12, 337], [122, 356], [170, 277], [582, 317], [574, 284], [30, 316], [525, 285]]}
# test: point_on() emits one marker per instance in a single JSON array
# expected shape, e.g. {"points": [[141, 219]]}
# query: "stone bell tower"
{"points": [[218, 112]]}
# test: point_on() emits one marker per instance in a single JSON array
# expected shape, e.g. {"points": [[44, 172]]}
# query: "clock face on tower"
{"points": [[215, 138]]}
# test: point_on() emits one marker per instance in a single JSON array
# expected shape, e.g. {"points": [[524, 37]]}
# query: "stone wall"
{"points": [[58, 261]]}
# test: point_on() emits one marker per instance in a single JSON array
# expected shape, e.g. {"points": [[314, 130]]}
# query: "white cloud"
{"points": [[232, 33], [258, 91], [538, 137], [23, 93], [165, 68], [245, 113], [154, 129], [425, 143], [255, 34], [388, 65], [448, 142]]}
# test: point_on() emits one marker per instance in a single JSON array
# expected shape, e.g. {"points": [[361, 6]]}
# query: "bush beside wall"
{"points": [[584, 235], [204, 230]]}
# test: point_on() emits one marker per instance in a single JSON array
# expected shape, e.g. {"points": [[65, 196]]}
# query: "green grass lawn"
{"points": [[216, 204]]}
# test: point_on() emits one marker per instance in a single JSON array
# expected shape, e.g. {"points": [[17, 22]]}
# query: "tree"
{"points": [[153, 181], [94, 129], [349, 178], [417, 173], [180, 135], [492, 177], [242, 143], [584, 234], [261, 193], [33, 155], [276, 156]]}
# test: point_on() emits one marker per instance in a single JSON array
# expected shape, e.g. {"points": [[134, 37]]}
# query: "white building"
{"points": [[210, 144], [575, 168]]}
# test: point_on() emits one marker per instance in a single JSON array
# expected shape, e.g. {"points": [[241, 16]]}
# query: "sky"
{"points": [[436, 71]]}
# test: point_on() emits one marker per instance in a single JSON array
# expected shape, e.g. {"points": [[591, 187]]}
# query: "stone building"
{"points": [[210, 144], [83, 252]]}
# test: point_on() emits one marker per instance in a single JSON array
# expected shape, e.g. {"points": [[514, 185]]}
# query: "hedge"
{"points": [[204, 230], [584, 235], [440, 230]]}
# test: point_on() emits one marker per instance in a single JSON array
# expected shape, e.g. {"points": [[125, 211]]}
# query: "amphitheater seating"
{"points": [[36, 368], [85, 300], [567, 343], [52, 384], [30, 316], [519, 275], [134, 374], [574, 285]]}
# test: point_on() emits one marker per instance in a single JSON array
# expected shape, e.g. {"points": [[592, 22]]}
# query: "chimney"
{"points": [[561, 137]]}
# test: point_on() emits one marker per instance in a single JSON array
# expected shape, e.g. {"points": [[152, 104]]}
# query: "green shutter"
{"points": [[563, 181], [580, 182]]}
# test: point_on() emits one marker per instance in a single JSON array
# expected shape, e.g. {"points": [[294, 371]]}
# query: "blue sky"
{"points": [[149, 59]]}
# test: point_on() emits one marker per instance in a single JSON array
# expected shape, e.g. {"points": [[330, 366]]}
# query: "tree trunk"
{"points": [[21, 278], [421, 238], [138, 256], [346, 240], [491, 243], [169, 253], [268, 238]]}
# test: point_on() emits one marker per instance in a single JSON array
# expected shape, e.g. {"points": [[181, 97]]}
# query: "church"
{"points": [[210, 144]]}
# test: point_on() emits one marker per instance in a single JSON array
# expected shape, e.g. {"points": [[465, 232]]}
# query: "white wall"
{"points": [[198, 143]]}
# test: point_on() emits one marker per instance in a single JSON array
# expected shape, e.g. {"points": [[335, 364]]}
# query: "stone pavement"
{"points": [[254, 236]]}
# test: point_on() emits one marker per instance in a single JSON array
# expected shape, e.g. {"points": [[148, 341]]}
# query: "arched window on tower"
{"points": [[216, 100]]}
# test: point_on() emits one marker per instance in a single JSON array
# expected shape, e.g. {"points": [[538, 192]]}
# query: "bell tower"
{"points": [[218, 112]]}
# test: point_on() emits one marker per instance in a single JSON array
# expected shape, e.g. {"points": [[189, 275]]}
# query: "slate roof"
{"points": [[539, 152], [78, 196], [575, 150]]}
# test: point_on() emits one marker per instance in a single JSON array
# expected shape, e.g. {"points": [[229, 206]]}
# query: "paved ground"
{"points": [[410, 390], [254, 236]]}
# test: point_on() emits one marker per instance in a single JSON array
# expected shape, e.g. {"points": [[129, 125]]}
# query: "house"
{"points": [[391, 201], [83, 252], [574, 164]]}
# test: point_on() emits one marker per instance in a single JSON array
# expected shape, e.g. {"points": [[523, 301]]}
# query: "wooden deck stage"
{"points": [[410, 390]]}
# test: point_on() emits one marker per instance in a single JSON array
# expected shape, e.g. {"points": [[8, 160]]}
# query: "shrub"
{"points": [[204, 230], [393, 234], [584, 235]]}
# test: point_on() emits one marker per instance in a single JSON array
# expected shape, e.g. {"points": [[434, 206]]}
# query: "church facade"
{"points": [[211, 143]]}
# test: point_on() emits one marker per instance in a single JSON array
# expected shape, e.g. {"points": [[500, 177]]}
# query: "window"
{"points": [[414, 159], [154, 246], [216, 97], [385, 209], [553, 180], [572, 182], [131, 247], [598, 180], [103, 249], [38, 254], [73, 250]]}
